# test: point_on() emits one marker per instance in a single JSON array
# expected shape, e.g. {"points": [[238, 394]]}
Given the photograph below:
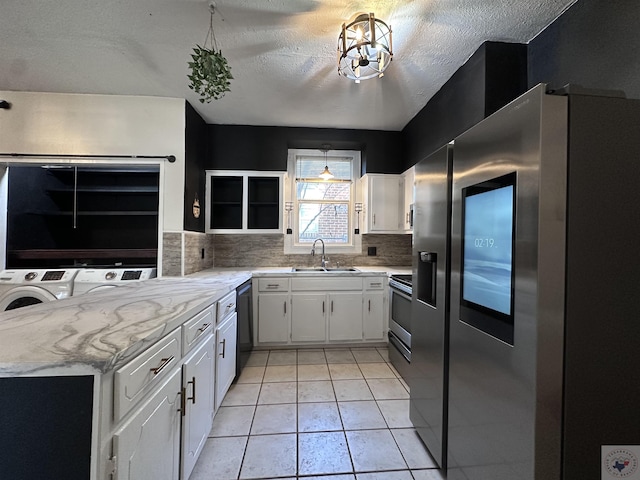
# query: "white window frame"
{"points": [[290, 244]]}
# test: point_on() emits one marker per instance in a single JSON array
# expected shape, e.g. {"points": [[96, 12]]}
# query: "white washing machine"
{"points": [[94, 279], [24, 287]]}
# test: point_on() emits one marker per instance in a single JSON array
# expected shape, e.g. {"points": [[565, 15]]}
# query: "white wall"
{"points": [[54, 123]]}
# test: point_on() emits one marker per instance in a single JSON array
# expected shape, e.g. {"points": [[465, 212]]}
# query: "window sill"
{"points": [[291, 249]]}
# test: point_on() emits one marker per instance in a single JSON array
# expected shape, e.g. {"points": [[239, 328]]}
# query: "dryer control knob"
{"points": [[110, 275], [31, 275]]}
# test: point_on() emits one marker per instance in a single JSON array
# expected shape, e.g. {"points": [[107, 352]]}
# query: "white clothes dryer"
{"points": [[90, 280], [24, 287]]}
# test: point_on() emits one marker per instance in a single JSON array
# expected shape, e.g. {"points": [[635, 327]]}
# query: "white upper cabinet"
{"points": [[243, 201], [381, 202]]}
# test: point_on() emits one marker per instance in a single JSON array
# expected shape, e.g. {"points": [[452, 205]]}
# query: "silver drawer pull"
{"points": [[203, 328], [230, 306], [273, 285], [224, 345], [193, 389], [376, 284], [164, 363]]}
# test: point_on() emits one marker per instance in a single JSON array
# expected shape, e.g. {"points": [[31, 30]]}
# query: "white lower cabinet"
{"points": [[321, 309], [373, 320], [274, 318], [147, 446], [308, 311], [198, 373], [226, 339], [345, 316]]}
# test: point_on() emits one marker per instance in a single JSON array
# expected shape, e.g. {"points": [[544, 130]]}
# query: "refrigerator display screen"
{"points": [[487, 256]]}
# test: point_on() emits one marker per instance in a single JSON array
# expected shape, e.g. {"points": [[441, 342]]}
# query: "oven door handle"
{"points": [[401, 293]]}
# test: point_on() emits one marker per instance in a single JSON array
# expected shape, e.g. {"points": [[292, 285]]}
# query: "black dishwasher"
{"points": [[244, 308]]}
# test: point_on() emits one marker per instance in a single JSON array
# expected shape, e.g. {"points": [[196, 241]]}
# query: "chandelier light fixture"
{"points": [[364, 48]]}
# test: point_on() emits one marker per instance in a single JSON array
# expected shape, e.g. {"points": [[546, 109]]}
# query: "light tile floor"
{"points": [[332, 414]]}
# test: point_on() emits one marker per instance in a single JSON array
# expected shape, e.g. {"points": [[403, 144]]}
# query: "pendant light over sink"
{"points": [[326, 174], [364, 48]]}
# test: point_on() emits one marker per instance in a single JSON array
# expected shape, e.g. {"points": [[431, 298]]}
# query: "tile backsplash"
{"points": [[188, 251], [268, 251]]}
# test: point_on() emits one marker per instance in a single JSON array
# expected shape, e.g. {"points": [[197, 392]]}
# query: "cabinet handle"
{"points": [[224, 346], [164, 363], [193, 383], [183, 401], [376, 285], [407, 218], [203, 328], [273, 285], [285, 307], [374, 218], [331, 306], [323, 306], [369, 305]]}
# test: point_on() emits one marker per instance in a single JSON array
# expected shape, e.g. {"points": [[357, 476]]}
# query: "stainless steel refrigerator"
{"points": [[427, 376], [540, 367]]}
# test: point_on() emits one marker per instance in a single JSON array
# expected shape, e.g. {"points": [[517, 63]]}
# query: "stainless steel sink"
{"points": [[324, 270]]}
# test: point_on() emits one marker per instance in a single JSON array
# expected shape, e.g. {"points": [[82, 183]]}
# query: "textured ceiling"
{"points": [[282, 52]]}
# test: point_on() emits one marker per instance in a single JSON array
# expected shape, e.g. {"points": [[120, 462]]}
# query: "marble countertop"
{"points": [[99, 332], [271, 271]]}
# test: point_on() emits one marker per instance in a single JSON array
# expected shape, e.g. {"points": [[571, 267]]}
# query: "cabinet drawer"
{"points": [[375, 283], [273, 284], [326, 283], [197, 328], [142, 374], [226, 306]]}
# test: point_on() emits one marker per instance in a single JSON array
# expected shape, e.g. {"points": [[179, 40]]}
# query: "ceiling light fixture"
{"points": [[326, 174], [364, 48]]}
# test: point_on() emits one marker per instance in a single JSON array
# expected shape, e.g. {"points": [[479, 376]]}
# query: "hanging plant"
{"points": [[210, 72]]}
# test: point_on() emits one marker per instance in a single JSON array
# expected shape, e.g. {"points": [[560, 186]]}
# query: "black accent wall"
{"points": [[46, 427], [493, 76], [594, 44], [195, 165], [242, 147]]}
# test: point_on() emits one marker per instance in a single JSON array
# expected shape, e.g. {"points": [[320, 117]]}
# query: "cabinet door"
{"points": [[147, 447], [308, 317], [226, 340], [383, 203], [274, 318], [345, 316], [408, 179], [373, 316], [198, 373]]}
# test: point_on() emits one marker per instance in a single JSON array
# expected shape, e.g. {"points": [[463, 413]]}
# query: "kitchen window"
{"points": [[320, 208]]}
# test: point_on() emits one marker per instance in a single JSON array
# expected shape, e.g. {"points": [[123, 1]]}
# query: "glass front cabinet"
{"points": [[244, 201]]}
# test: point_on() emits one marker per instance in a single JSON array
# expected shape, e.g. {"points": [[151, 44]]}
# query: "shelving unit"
{"points": [[82, 215], [244, 201], [264, 202]]}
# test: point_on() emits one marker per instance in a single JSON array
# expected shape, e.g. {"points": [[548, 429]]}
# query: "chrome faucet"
{"points": [[323, 261]]}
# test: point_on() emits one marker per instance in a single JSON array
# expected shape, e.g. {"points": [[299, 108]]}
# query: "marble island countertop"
{"points": [[101, 331]]}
